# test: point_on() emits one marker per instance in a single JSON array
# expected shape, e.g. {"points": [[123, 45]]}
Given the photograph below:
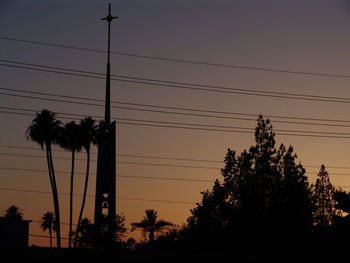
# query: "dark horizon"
{"points": [[214, 66]]}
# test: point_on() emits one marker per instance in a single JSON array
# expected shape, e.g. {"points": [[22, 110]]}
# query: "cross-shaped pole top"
{"points": [[109, 18]]}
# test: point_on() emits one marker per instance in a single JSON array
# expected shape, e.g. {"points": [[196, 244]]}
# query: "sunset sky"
{"points": [[299, 35]]}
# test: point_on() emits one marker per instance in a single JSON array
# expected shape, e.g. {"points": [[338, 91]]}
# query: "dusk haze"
{"points": [[197, 130]]}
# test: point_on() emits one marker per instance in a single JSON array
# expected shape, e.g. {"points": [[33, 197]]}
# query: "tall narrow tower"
{"points": [[105, 196]]}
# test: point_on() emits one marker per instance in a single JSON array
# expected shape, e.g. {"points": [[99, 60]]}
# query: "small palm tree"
{"points": [[13, 213], [44, 130], [88, 137], [48, 223], [150, 224], [70, 140]]}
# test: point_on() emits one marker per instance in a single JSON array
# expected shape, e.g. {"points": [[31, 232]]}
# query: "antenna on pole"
{"points": [[109, 19]]}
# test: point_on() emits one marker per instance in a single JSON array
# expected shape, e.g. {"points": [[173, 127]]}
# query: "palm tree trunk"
{"points": [[71, 200], [50, 173], [51, 184], [55, 197], [84, 196], [50, 234], [151, 235]]}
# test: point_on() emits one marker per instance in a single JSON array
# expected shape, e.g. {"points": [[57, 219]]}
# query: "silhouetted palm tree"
{"points": [[48, 223], [88, 136], [13, 213], [70, 140], [150, 224], [44, 130]]}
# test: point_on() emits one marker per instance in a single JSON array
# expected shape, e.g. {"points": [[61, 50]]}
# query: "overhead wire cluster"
{"points": [[169, 110]]}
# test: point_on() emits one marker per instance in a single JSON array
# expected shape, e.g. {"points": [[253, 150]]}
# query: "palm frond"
{"points": [[161, 224]]}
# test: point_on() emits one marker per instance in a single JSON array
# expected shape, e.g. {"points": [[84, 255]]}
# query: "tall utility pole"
{"points": [[105, 196]]}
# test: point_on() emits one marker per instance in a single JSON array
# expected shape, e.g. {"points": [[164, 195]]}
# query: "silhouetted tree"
{"points": [[120, 228], [13, 213], [88, 133], [264, 195], [70, 139], [207, 224], [293, 197], [341, 222], [85, 234], [44, 130], [342, 200], [150, 224], [130, 243], [324, 204], [48, 223]]}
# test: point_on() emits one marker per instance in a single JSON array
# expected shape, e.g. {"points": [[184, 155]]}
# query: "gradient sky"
{"points": [[299, 35]]}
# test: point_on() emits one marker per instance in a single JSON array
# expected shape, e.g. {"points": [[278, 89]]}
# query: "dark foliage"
{"points": [[13, 213], [324, 204], [86, 232], [264, 199], [151, 224], [48, 222]]}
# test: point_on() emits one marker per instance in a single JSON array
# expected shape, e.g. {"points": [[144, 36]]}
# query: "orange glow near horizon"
{"points": [[292, 36]]}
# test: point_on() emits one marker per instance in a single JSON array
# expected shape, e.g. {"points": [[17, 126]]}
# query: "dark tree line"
{"points": [[264, 196], [263, 200], [264, 203]]}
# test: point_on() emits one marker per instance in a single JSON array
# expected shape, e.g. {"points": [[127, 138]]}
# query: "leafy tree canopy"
{"points": [[263, 193]]}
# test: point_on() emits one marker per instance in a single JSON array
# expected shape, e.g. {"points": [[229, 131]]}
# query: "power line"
{"points": [[43, 236], [121, 154], [147, 124], [40, 221], [119, 197], [161, 111], [152, 80], [190, 124], [145, 177], [120, 162], [157, 157], [169, 165], [123, 198], [191, 86], [168, 112], [179, 108], [222, 127], [155, 164], [150, 164], [118, 175], [177, 60], [166, 178], [156, 111], [63, 223]]}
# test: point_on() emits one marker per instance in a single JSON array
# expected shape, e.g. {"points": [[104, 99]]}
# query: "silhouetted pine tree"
{"points": [[324, 204], [264, 196]]}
